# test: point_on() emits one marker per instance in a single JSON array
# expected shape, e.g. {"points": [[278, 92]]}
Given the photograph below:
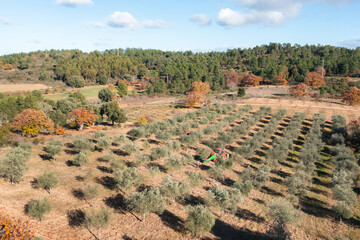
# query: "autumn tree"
{"points": [[14, 228], [30, 122], [300, 90], [249, 80], [352, 96], [280, 79], [314, 79], [7, 66], [81, 117], [198, 93]]}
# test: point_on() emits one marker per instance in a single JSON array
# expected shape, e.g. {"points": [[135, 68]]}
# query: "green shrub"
{"points": [[195, 179], [38, 208], [81, 159], [127, 179], [48, 180], [98, 218], [244, 187], [76, 82], [174, 163], [173, 189], [200, 220], [154, 170], [54, 148], [90, 192], [157, 153], [146, 201], [82, 144], [241, 92]]}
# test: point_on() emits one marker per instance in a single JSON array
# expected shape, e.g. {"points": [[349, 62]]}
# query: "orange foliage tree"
{"points": [[300, 90], [30, 122], [8, 66], [352, 96], [249, 80], [81, 117], [1, 64], [59, 130], [197, 94], [314, 79], [11, 228], [280, 79]]}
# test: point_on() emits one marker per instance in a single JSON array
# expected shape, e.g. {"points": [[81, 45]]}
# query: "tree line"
{"points": [[173, 72]]}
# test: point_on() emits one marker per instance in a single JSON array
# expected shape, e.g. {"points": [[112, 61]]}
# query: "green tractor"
{"points": [[216, 155]]}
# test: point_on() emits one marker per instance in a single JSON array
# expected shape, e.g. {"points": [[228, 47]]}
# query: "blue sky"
{"points": [[198, 25]]}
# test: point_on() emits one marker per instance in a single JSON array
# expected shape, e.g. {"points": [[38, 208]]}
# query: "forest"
{"points": [[173, 72]]}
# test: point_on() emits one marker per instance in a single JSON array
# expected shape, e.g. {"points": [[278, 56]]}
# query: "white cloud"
{"points": [[265, 12], [200, 19], [97, 24], [353, 43], [126, 20], [74, 3], [5, 21], [155, 24]]}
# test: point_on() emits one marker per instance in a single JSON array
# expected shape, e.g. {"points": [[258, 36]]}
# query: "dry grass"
{"points": [[250, 222]]}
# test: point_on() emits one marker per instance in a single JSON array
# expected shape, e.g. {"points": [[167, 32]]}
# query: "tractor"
{"points": [[216, 155]]}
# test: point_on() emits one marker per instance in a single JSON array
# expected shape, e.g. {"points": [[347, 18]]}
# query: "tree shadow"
{"points": [[116, 202], [281, 173], [45, 157], [248, 215], [71, 152], [108, 182], [192, 200], [79, 178], [271, 192], [319, 191], [317, 181], [226, 182], [105, 169], [171, 220], [276, 180], [70, 163], [34, 183], [76, 217], [120, 152], [259, 201], [78, 193], [315, 207], [227, 232]]}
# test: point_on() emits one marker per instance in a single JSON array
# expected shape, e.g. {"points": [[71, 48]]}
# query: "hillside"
{"points": [[177, 70]]}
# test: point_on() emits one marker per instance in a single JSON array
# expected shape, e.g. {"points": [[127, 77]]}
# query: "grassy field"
{"points": [[250, 221], [88, 92]]}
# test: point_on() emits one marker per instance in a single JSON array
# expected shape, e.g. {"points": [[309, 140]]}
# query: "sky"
{"points": [[197, 25]]}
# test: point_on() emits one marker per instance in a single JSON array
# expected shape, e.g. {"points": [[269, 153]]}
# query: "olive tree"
{"points": [[200, 220], [48, 180], [54, 148], [149, 200], [38, 208], [98, 219]]}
